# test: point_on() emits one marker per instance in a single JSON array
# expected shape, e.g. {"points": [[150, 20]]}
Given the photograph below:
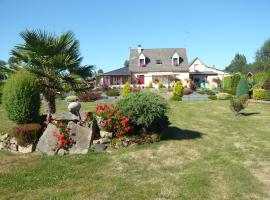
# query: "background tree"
{"points": [[55, 60], [126, 63], [263, 56], [237, 64]]}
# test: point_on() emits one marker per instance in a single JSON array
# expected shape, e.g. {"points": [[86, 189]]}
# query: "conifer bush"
{"points": [[126, 90], [242, 88], [177, 91], [21, 97]]}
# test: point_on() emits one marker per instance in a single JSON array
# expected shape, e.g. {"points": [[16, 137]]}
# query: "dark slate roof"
{"points": [[163, 54], [120, 71], [204, 73]]}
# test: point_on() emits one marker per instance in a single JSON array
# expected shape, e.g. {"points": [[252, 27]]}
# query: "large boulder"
{"points": [[68, 116], [47, 141], [83, 137]]}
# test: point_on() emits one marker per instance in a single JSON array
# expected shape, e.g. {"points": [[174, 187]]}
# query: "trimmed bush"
{"points": [[187, 91], [177, 91], [261, 94], [72, 98], [147, 110], [223, 96], [238, 103], [242, 88], [126, 90], [230, 83], [150, 85], [112, 92], [212, 97], [89, 96], [21, 97], [26, 134]]}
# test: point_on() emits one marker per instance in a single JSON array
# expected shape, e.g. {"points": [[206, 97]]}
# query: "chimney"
{"points": [[139, 49]]}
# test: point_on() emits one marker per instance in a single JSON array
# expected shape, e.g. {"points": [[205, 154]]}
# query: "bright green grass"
{"points": [[209, 154]]}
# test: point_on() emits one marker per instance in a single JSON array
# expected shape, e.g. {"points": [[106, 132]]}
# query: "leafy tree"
{"points": [[55, 60], [242, 88], [263, 55], [237, 64], [126, 63]]}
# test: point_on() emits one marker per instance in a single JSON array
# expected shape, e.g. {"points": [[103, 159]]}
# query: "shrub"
{"points": [[242, 88], [26, 134], [223, 96], [147, 110], [226, 83], [261, 77], [21, 97], [89, 96], [176, 98], [150, 85], [160, 85], [257, 86], [177, 90], [187, 91], [238, 103], [261, 94], [230, 83], [112, 92], [126, 90], [212, 97], [72, 98], [266, 84]]}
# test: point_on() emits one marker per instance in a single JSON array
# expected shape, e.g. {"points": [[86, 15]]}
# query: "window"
{"points": [[141, 62], [158, 62], [140, 79], [175, 62]]}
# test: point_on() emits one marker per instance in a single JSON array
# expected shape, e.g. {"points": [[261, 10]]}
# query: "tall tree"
{"points": [[237, 64], [126, 63], [263, 56], [54, 59]]}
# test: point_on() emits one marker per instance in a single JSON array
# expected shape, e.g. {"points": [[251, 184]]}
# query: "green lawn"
{"points": [[207, 153]]}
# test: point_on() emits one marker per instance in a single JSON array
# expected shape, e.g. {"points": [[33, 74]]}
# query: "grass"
{"points": [[206, 153]]}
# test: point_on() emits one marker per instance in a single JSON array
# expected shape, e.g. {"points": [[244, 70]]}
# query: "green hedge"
{"points": [[261, 94], [230, 83], [112, 92]]}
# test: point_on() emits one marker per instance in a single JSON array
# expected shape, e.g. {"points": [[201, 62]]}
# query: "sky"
{"points": [[211, 30]]}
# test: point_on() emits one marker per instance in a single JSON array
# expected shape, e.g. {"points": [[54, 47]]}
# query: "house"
{"points": [[160, 65], [201, 73]]}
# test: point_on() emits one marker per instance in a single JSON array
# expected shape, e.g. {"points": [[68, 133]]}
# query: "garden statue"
{"points": [[74, 108]]}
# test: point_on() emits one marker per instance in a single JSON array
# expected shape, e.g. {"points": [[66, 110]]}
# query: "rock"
{"points": [[13, 145], [68, 116], [96, 141], [74, 107], [104, 140], [47, 141], [99, 147], [2, 146], [61, 152], [105, 134], [27, 149], [83, 137]]}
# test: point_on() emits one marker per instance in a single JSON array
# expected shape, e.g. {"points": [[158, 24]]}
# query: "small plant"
{"points": [[126, 90], [238, 103], [112, 92], [150, 85], [72, 99], [26, 134], [160, 85], [223, 96], [21, 97], [177, 91], [242, 88]]}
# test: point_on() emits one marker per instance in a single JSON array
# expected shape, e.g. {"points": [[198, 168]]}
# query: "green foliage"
{"points": [[227, 83], [176, 98], [238, 103], [223, 96], [160, 85], [126, 90], [126, 63], [263, 55], [261, 94], [147, 110], [237, 64], [261, 77], [150, 85], [266, 84], [72, 98], [212, 97], [177, 91], [112, 92], [230, 83], [21, 97], [242, 88], [26, 134]]}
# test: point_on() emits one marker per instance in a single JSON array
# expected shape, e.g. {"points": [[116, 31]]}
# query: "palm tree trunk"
{"points": [[49, 99]]}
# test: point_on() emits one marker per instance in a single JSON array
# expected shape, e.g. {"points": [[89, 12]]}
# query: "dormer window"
{"points": [[141, 60], [158, 62], [175, 59]]}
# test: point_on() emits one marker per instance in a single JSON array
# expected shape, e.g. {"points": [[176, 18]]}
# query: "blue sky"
{"points": [[212, 30]]}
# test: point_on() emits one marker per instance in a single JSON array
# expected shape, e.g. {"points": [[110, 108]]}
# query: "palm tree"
{"points": [[54, 59]]}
